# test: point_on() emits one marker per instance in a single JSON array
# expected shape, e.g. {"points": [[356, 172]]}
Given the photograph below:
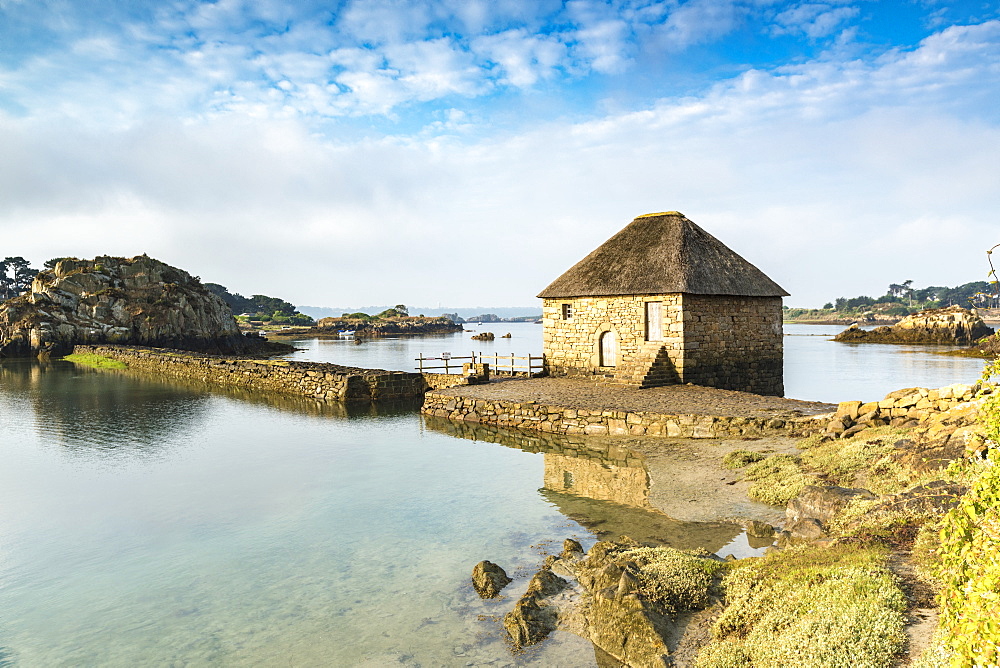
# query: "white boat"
{"points": [[346, 333]]}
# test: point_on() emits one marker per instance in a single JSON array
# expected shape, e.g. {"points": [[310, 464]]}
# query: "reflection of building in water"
{"points": [[621, 481], [602, 486]]}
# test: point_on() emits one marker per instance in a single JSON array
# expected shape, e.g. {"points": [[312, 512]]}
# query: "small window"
{"points": [[567, 311]]}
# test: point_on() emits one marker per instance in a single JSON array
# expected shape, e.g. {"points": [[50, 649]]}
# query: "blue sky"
{"points": [[464, 152]]}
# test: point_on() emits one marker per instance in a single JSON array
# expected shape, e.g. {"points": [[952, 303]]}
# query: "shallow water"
{"points": [[816, 367], [145, 522]]}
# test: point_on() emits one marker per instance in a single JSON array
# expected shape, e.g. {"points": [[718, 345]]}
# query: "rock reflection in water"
{"points": [[110, 413], [86, 412], [600, 485]]}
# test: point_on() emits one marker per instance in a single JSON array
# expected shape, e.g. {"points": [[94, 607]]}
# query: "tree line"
{"points": [[904, 297], [16, 275], [260, 307]]}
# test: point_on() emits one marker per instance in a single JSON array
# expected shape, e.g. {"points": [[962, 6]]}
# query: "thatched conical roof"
{"points": [[662, 253]]}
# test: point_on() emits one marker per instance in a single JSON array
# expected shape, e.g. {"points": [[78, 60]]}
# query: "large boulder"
{"points": [[129, 301], [953, 325], [488, 579]]}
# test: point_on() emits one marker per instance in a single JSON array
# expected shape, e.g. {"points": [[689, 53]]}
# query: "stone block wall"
{"points": [[595, 422], [571, 345], [325, 382], [732, 343]]}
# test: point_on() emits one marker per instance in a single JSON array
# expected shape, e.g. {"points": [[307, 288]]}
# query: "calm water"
{"points": [[816, 368], [153, 523]]}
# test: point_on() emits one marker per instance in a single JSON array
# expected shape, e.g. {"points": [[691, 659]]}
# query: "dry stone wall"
{"points": [[325, 382], [904, 408], [733, 343], [565, 420]]}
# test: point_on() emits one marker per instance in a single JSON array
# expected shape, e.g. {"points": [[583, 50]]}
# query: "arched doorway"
{"points": [[609, 349]]}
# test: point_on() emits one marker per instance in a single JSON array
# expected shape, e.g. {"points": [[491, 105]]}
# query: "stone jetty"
{"points": [[577, 406], [319, 381]]}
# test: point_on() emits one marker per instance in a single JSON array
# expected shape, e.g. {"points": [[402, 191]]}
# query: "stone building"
{"points": [[664, 302]]}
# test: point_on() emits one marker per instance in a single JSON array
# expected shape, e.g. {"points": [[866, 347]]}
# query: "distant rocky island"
{"points": [[373, 327], [129, 301], [953, 325]]}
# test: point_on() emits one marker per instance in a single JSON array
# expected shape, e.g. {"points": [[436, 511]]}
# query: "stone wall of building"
{"points": [[733, 343], [572, 347], [320, 381], [719, 341]]}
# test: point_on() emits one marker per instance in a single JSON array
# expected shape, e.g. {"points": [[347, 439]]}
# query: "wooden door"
{"points": [[609, 349], [654, 321]]}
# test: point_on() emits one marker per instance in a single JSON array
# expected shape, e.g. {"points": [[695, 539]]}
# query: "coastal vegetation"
{"points": [[260, 310], [807, 607], [841, 601], [899, 300], [95, 361]]}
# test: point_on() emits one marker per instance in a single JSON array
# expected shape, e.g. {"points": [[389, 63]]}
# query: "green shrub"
{"points": [[809, 607], [673, 579], [969, 570], [966, 559], [777, 479], [737, 459]]}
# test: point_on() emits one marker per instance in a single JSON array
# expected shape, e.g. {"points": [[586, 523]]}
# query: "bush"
{"points": [[969, 570], [737, 459], [967, 555], [808, 606], [673, 579], [777, 479]]}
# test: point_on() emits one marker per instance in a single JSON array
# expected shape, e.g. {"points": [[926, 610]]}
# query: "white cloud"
{"points": [[699, 21], [815, 20], [524, 58], [831, 176]]}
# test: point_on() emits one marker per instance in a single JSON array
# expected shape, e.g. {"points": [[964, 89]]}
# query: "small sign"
{"points": [[446, 356]]}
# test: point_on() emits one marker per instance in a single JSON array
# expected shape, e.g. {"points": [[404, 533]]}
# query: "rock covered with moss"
{"points": [[953, 325], [134, 301], [628, 599]]}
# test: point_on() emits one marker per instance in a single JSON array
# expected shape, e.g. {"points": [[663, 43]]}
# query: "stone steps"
{"points": [[651, 367]]}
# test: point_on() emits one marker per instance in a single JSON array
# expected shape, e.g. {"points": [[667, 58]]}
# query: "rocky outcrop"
{"points": [[137, 301], [941, 424], [632, 602], [808, 515], [953, 325], [488, 579]]}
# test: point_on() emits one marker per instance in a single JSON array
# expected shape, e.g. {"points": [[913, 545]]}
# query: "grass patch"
{"points": [[777, 479], [809, 607], [95, 361], [737, 459]]}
